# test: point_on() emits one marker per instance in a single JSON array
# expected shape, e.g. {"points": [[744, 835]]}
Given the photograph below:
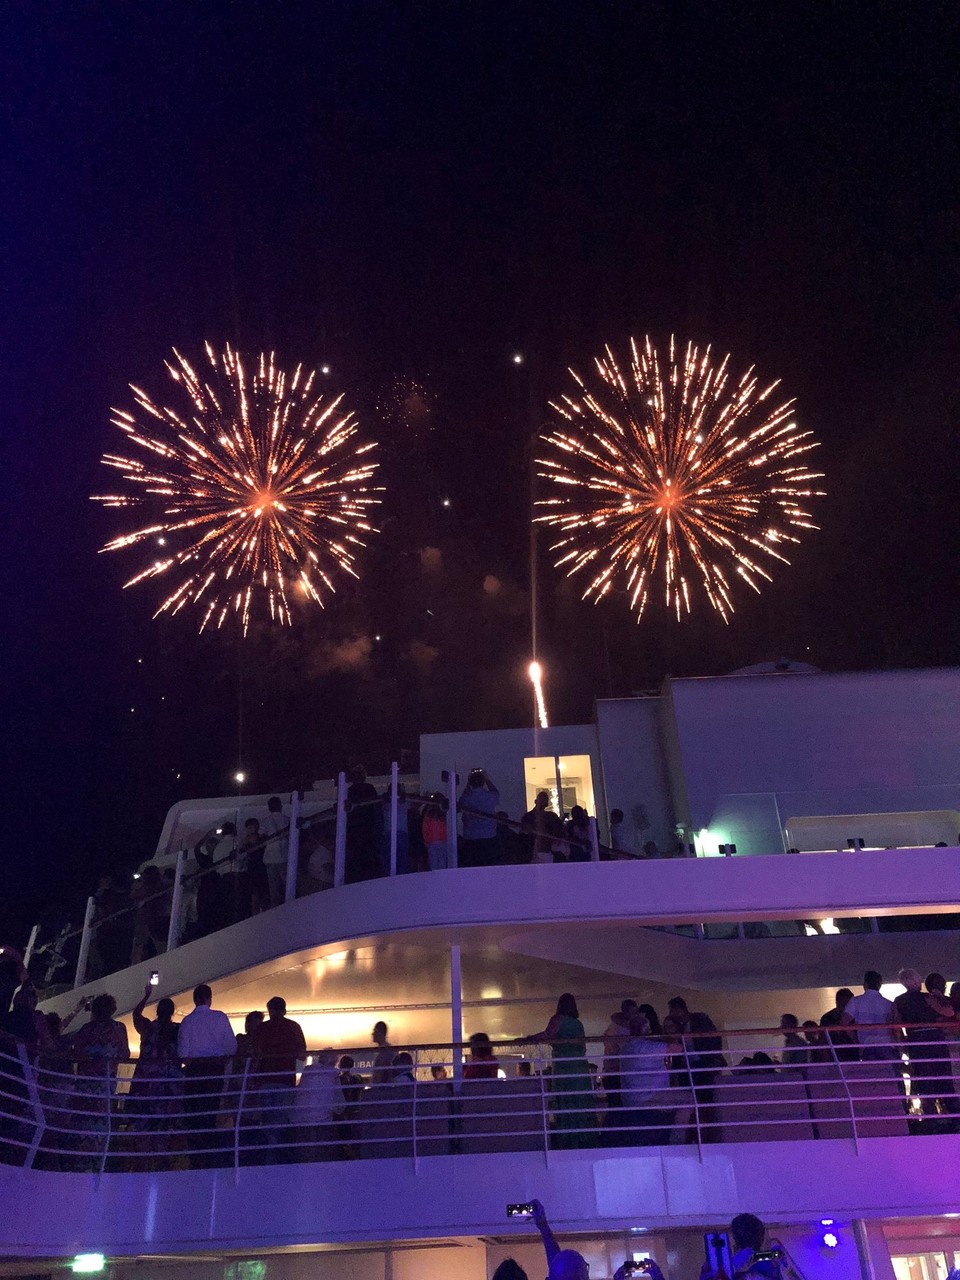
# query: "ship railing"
{"points": [[695, 1090], [351, 841], [324, 846]]}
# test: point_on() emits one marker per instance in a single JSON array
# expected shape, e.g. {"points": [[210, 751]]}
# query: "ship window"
{"points": [[924, 1266], [245, 1269], [567, 779]]}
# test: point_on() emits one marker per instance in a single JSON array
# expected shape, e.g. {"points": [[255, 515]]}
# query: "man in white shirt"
{"points": [[872, 1014], [319, 1103], [645, 1087], [205, 1043], [275, 852], [478, 806]]}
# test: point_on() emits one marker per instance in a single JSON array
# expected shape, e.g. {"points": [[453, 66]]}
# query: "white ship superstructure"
{"points": [[781, 835]]}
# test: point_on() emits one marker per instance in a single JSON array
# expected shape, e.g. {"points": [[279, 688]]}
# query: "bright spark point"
{"points": [[536, 678], [446, 502], [517, 357], [682, 468], [240, 778], [262, 478], [325, 369]]}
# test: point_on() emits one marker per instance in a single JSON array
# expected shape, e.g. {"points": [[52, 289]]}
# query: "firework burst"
{"points": [[255, 489], [677, 472]]}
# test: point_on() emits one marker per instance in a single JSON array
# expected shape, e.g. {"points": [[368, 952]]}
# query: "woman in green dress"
{"points": [[571, 1084]]}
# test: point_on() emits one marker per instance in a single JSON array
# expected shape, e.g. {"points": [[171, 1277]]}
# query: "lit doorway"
{"points": [[568, 780]]}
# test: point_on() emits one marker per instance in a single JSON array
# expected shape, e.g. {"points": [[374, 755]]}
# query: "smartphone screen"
{"points": [[717, 1252], [519, 1210], [154, 978]]}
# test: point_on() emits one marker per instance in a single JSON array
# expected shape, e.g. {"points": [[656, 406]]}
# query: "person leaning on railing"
{"points": [[571, 1088], [931, 1072]]}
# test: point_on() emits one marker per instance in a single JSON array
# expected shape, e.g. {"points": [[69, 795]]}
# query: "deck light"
{"points": [[85, 1264]]}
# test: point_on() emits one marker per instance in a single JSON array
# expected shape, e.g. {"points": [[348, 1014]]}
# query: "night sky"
{"points": [[412, 192]]}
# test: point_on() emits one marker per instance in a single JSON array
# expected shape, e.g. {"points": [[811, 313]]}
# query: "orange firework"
{"points": [[256, 488], [681, 470]]}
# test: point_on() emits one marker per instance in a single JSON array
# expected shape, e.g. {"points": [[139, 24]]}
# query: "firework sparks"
{"points": [[536, 679], [407, 408], [679, 470], [255, 489]]}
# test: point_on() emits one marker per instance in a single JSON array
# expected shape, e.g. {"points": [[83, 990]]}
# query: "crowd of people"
{"points": [[289, 1099], [744, 1246], [238, 868]]}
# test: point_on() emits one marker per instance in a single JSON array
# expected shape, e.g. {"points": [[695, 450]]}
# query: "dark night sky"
{"points": [[412, 191]]}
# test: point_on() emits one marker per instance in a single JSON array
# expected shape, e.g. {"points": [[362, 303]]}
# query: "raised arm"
{"points": [[548, 1034], [81, 1005], [141, 1023], [550, 1246]]}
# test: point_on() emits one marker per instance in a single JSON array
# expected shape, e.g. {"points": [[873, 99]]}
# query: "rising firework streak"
{"points": [[536, 679]]}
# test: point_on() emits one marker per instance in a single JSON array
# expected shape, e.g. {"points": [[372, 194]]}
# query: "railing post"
{"points": [[456, 1016], [340, 841], [236, 1127], [696, 1104], [416, 1164], [33, 1093], [80, 976], [28, 954], [293, 848], [452, 818], [594, 841], [176, 903], [108, 1082], [394, 810], [544, 1115], [846, 1087]]}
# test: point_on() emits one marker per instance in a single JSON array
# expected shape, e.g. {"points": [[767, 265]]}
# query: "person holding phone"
{"points": [[563, 1264], [157, 1085]]}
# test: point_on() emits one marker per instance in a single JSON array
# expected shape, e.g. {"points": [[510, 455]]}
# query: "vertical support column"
{"points": [[80, 977], [293, 848], [872, 1250], [394, 809], [452, 818], [594, 841], [340, 843], [176, 903], [28, 954], [456, 1016]]}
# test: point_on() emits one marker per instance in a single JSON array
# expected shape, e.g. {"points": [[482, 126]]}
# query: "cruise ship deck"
{"points": [[412, 1177]]}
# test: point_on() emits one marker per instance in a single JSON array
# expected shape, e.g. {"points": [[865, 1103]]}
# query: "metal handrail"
{"points": [[53, 1118]]}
